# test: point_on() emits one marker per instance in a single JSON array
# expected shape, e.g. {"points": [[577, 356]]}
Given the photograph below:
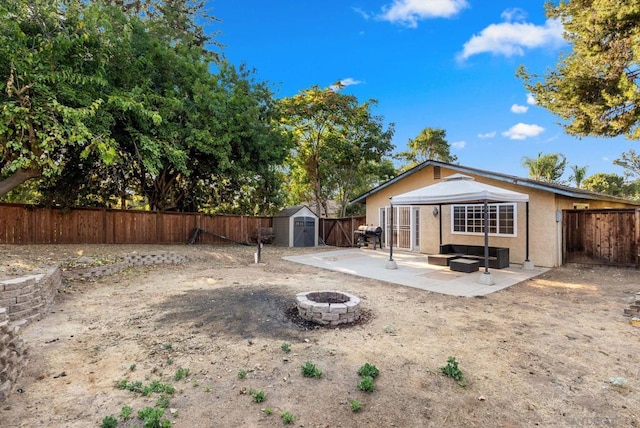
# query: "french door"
{"points": [[405, 228]]}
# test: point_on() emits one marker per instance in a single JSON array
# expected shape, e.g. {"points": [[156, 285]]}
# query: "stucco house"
{"points": [[424, 228]]}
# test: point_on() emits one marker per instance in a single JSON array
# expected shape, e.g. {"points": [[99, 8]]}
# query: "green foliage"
{"points": [[126, 412], [258, 396], [594, 87], [336, 138], [287, 418], [268, 411], [310, 370], [451, 370], [132, 367], [152, 418], [549, 168], [608, 183], [430, 144], [109, 422], [367, 384], [356, 406], [146, 390], [630, 161], [181, 373], [368, 370], [578, 173], [286, 347], [242, 374], [163, 401]]}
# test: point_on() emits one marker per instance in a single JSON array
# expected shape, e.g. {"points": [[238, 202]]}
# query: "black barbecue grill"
{"points": [[365, 234]]}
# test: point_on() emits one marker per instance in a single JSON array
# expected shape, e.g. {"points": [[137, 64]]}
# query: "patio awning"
{"points": [[458, 188]]}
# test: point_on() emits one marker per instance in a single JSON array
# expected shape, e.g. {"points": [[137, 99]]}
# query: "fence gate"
{"points": [[604, 237]]}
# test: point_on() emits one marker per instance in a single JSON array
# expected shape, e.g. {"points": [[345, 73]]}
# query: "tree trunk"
{"points": [[16, 179]]}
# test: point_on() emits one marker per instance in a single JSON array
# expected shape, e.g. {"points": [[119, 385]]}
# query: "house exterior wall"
{"points": [[545, 218]]}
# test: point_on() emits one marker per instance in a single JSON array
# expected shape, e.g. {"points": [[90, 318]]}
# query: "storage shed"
{"points": [[295, 227]]}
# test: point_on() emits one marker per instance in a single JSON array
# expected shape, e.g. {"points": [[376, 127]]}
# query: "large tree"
{"points": [[430, 144], [52, 60], [336, 139], [595, 88], [608, 183]]}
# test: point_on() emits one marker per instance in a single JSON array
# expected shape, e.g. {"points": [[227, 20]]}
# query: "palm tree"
{"points": [[578, 174]]}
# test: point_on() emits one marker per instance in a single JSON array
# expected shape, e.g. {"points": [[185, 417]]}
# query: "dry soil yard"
{"points": [[553, 351]]}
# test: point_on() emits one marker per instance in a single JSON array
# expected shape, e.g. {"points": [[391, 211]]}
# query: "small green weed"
{"points": [[310, 370], [181, 373], [451, 370], [268, 411], [258, 396], [242, 374], [126, 412], [286, 347], [207, 388], [169, 361], [287, 417], [109, 422], [163, 402], [356, 406], [132, 367], [367, 384], [196, 383], [152, 418], [168, 346], [368, 370]]}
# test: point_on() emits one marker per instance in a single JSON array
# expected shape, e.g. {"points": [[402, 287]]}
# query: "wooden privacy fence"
{"points": [[606, 237], [338, 232], [27, 224]]}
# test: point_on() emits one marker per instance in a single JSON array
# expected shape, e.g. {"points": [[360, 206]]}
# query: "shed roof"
{"points": [[290, 211]]}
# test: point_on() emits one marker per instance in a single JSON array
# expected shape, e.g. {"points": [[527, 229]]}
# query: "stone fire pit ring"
{"points": [[328, 307]]}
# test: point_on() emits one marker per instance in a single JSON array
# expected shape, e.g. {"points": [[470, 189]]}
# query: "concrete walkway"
{"points": [[413, 271]]}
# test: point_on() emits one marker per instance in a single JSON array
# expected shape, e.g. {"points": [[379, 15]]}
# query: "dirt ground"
{"points": [[553, 351]]}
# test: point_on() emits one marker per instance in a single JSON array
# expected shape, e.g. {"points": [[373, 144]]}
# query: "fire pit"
{"points": [[328, 307]]}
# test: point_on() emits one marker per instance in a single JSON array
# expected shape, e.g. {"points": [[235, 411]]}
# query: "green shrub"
{"points": [[451, 370], [310, 370], [368, 370], [287, 418], [367, 384], [356, 406], [109, 422]]}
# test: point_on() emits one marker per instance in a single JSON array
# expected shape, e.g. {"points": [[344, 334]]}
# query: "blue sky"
{"points": [[446, 64]]}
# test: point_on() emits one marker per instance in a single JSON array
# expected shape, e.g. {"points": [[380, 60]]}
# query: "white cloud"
{"points": [[409, 12], [531, 100], [518, 109], [362, 13], [522, 131], [514, 14], [512, 38], [487, 135], [459, 144], [349, 81]]}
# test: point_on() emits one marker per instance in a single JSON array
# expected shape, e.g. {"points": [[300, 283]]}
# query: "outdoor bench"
{"points": [[498, 256]]}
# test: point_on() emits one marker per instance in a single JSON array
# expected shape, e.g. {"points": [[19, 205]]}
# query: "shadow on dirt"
{"points": [[238, 311]]}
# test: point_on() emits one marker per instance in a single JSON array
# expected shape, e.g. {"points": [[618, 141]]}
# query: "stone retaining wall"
{"points": [[31, 297], [13, 353], [129, 260]]}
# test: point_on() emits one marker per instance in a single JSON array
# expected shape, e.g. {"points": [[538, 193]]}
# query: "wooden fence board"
{"points": [[338, 232], [607, 237]]}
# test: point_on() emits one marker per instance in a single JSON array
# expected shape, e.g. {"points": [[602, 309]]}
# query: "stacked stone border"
{"points": [[634, 311], [328, 307], [30, 297]]}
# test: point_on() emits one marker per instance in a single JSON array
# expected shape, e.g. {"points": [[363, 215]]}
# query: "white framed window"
{"points": [[468, 219]]}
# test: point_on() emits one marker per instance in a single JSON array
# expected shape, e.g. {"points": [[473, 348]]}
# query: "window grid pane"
{"points": [[469, 219]]}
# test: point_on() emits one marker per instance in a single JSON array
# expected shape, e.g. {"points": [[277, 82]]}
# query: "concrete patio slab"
{"points": [[413, 271]]}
